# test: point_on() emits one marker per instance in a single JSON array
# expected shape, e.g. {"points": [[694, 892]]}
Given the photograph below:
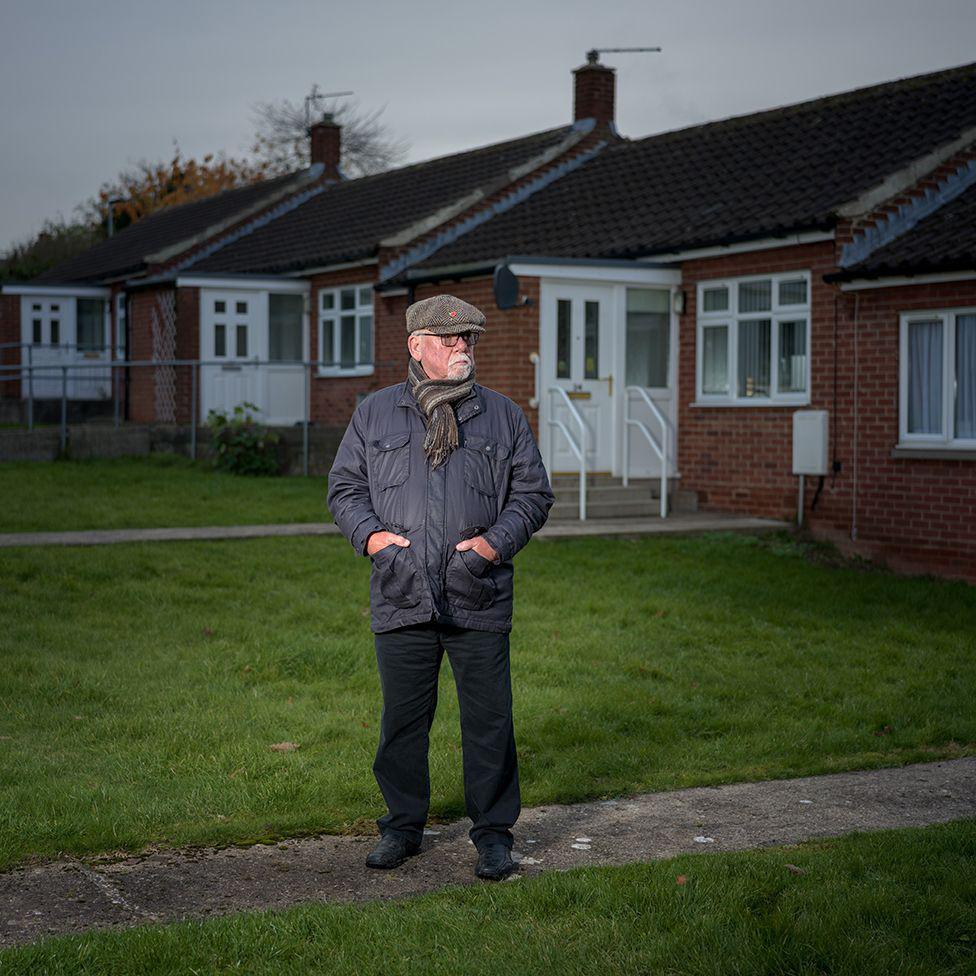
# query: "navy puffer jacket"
{"points": [[493, 485]]}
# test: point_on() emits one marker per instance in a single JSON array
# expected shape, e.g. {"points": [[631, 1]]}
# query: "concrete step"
{"points": [[640, 508], [609, 492], [608, 500]]}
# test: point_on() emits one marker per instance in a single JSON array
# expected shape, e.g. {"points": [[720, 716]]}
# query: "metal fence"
{"points": [[116, 376]]}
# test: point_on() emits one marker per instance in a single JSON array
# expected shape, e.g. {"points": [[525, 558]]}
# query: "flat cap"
{"points": [[444, 315]]}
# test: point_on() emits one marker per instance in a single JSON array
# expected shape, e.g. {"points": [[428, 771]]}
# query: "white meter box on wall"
{"points": [[810, 442]]}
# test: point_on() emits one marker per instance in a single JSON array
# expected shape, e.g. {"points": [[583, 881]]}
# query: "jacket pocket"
{"points": [[485, 459], [389, 471], [397, 574], [391, 459], [468, 581], [485, 468]]}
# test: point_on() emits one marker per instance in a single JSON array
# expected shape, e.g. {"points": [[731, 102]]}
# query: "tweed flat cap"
{"points": [[444, 315]]}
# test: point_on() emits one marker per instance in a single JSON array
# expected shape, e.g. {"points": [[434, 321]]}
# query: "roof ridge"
{"points": [[866, 241], [453, 232], [454, 155], [810, 104]]}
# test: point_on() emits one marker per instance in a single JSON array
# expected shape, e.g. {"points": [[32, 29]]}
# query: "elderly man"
{"points": [[439, 481]]}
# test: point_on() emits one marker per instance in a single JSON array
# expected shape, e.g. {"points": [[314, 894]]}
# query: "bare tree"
{"points": [[282, 142]]}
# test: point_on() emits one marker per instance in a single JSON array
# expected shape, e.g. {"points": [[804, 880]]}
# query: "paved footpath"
{"points": [[683, 523], [73, 895]]}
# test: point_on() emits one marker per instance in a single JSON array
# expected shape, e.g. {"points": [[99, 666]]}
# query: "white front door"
{"points": [[229, 337], [253, 341], [577, 356]]}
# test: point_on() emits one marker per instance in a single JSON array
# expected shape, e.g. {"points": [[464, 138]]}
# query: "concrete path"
{"points": [[167, 885], [682, 523]]}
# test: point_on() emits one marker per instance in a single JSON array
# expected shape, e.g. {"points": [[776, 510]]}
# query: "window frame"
{"points": [[731, 318], [946, 442], [335, 315]]}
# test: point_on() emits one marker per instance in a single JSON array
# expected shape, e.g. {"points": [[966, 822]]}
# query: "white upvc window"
{"points": [[937, 379], [753, 340], [345, 330]]}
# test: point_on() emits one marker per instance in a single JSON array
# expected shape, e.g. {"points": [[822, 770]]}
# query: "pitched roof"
{"points": [[767, 174], [349, 220], [943, 241], [125, 253]]}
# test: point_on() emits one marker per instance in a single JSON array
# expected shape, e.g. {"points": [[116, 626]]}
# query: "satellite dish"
{"points": [[506, 287]]}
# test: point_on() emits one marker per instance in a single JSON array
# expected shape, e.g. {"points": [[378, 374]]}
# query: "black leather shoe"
{"points": [[391, 851], [494, 862]]}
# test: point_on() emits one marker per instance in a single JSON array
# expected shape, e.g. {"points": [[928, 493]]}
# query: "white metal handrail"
{"points": [[578, 449], [662, 452]]}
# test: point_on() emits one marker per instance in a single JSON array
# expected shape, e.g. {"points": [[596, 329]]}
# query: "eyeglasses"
{"points": [[471, 338]]}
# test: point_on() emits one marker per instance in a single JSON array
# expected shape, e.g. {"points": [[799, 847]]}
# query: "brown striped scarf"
{"points": [[436, 399]]}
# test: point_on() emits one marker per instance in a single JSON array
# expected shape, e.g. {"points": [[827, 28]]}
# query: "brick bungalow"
{"points": [[823, 260], [665, 305], [79, 311]]}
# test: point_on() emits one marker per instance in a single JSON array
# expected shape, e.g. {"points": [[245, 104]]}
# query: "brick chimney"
{"points": [[326, 143], [593, 91]]}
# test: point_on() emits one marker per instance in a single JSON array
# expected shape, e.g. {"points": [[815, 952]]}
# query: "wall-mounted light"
{"points": [[678, 302]]}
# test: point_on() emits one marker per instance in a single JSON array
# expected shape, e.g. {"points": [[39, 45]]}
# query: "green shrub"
{"points": [[240, 445]]}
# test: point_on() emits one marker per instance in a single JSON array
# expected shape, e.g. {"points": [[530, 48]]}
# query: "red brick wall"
{"points": [[10, 332], [501, 357], [142, 397], [739, 459], [142, 407], [187, 347], [917, 514]]}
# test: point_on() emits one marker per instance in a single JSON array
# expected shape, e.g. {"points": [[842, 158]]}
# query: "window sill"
{"points": [[941, 452], [749, 404], [355, 371]]}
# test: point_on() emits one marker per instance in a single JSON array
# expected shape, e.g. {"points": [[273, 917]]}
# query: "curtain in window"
{"points": [[715, 362], [754, 350], [966, 376], [925, 377]]}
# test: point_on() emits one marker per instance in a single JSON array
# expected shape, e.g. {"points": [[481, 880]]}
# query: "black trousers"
{"points": [[409, 660]]}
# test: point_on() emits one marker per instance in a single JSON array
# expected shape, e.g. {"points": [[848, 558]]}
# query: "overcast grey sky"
{"points": [[89, 87]]}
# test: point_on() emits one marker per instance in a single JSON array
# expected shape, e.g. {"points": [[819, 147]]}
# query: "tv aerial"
{"points": [[315, 96], [593, 55]]}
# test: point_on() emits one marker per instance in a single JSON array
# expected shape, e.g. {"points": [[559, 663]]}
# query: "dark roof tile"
{"points": [[348, 221], [125, 252]]}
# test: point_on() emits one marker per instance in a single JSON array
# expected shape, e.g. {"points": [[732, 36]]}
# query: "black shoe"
{"points": [[494, 862], [392, 850]]}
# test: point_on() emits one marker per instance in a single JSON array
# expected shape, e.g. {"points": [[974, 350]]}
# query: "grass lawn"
{"points": [[899, 901], [142, 685], [159, 490]]}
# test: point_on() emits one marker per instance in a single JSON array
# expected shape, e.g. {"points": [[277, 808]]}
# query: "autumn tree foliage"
{"points": [[147, 187], [57, 241], [140, 190]]}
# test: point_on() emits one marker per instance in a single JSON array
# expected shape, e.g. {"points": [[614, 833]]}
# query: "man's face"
{"points": [[442, 362]]}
